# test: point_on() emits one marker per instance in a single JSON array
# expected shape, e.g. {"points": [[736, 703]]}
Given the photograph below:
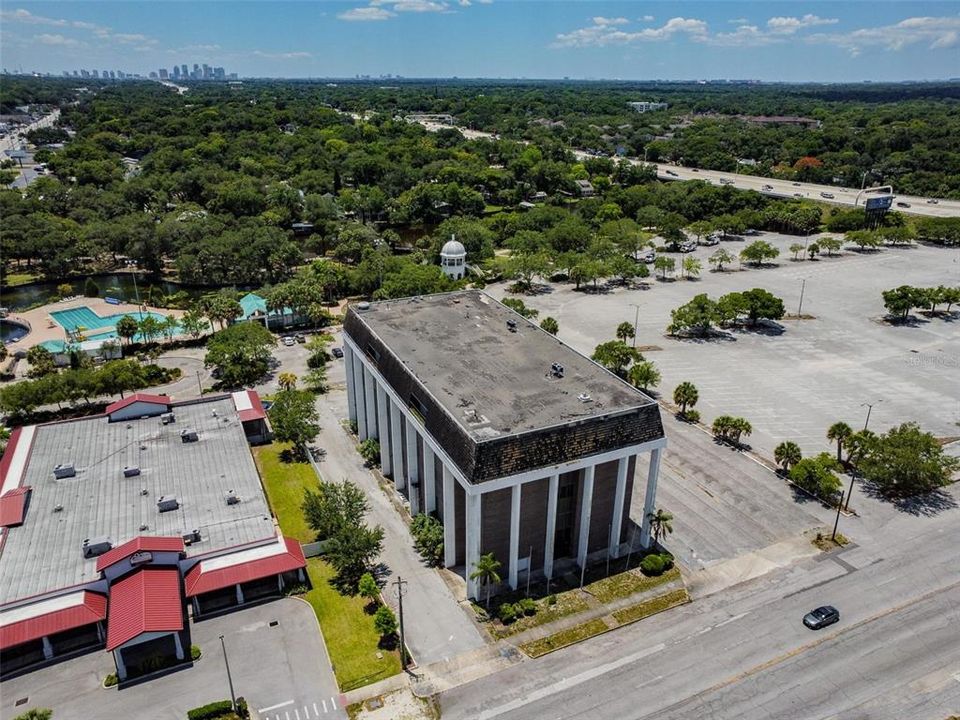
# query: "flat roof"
{"points": [[492, 381], [45, 553]]}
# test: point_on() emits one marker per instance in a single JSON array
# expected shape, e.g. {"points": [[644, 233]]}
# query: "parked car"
{"points": [[694, 170], [796, 184], [933, 201], [828, 196], [688, 246], [711, 239], [903, 204], [767, 188], [645, 256], [821, 617], [800, 195], [337, 352], [300, 338], [672, 173], [751, 231], [726, 181], [288, 340]]}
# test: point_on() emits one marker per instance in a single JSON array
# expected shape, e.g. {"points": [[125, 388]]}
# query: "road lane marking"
{"points": [[317, 712], [333, 703], [570, 682], [297, 713], [731, 619], [324, 705], [275, 707]]}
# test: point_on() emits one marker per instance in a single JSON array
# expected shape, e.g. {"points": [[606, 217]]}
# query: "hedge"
{"points": [[211, 711]]}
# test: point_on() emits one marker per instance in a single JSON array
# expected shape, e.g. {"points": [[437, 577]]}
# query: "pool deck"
{"points": [[43, 327]]}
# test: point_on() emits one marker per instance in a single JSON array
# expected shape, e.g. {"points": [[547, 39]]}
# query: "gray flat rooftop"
{"points": [[459, 347], [45, 553]]}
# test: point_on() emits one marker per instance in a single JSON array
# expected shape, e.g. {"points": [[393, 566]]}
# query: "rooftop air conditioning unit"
{"points": [[189, 538], [584, 398], [188, 436], [512, 325], [167, 418], [131, 471], [232, 497], [94, 547], [64, 471], [166, 503]]}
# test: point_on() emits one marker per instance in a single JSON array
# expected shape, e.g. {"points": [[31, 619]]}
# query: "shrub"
{"points": [[243, 709], [195, 652], [667, 559], [652, 565], [369, 450], [527, 606], [551, 600], [385, 622], [210, 711], [427, 534], [507, 613], [692, 416], [111, 680]]}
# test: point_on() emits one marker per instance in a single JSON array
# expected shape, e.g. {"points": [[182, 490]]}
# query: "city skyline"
{"points": [[787, 41]]}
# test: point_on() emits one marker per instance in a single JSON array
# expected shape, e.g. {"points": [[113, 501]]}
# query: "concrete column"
{"points": [[429, 480], [280, 583], [176, 641], [472, 532], [121, 668], [47, 648], [396, 447], [370, 403], [585, 507], [100, 631], [351, 390], [551, 526], [384, 429], [239, 594], [360, 397], [301, 575], [617, 524], [413, 472], [649, 500], [196, 607], [514, 535], [449, 519]]}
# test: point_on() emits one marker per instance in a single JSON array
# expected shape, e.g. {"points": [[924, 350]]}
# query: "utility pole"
{"points": [[869, 407], [803, 285], [233, 697], [636, 321], [199, 383], [399, 589]]}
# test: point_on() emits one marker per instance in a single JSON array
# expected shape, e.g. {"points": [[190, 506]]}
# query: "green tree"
{"points": [[127, 327], [41, 362], [369, 450], [796, 249], [691, 267], [149, 328], [720, 258], [294, 417], [486, 572], [864, 239], [644, 375], [813, 249], [385, 623], [241, 353], [194, 323], [839, 432], [696, 316], [625, 331], [550, 325], [90, 288], [354, 552], [369, 589], [615, 355], [830, 244], [427, 534], [664, 264], [35, 714], [517, 305], [334, 507], [661, 524], [787, 454], [685, 395], [759, 304], [900, 301], [906, 461], [817, 475], [759, 251], [287, 381]]}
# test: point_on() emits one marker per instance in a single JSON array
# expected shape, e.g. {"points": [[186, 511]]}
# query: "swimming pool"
{"points": [[98, 327]]}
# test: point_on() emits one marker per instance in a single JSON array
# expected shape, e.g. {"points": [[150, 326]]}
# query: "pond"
{"points": [[119, 285], [11, 331]]}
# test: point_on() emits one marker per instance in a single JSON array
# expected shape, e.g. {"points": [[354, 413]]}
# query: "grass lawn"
{"points": [[349, 633], [14, 279], [566, 603], [285, 483], [566, 637], [651, 607], [625, 584]]}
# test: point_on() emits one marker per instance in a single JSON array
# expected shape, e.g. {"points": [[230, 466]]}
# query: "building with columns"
{"points": [[520, 445]]}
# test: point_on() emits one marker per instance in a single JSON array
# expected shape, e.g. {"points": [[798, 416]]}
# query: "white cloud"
{"points": [[282, 55], [25, 16], [464, 3], [602, 35], [57, 39], [647, 18], [790, 25], [132, 39], [738, 21], [366, 14], [936, 33], [749, 35], [605, 21], [415, 6]]}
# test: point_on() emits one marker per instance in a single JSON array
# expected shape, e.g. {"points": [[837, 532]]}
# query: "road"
{"points": [[778, 188], [13, 140], [743, 654]]}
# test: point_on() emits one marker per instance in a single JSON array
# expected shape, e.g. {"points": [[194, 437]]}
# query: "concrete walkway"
{"points": [[437, 628]]}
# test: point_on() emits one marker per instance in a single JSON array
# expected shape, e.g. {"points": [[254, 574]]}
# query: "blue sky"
{"points": [[790, 40]]}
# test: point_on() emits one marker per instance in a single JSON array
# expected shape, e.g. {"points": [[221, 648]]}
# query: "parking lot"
{"points": [[795, 383], [277, 660]]}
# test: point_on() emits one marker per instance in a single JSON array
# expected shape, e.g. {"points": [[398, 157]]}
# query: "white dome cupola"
{"points": [[453, 259]]}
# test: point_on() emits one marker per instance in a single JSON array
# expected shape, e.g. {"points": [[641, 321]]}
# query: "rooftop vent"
{"points": [[362, 306], [166, 503], [167, 418], [232, 497], [189, 538], [144, 527], [188, 436], [512, 325], [64, 471], [556, 369], [58, 508], [584, 398], [131, 471], [215, 413], [144, 491], [94, 547]]}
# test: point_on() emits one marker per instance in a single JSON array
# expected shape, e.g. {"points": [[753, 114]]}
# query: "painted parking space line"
{"points": [[317, 712], [275, 707], [324, 705]]}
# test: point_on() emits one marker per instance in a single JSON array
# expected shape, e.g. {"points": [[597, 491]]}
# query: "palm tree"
{"points": [[740, 426], [661, 523], [625, 331], [644, 374], [287, 380], [170, 326], [485, 570], [787, 454], [839, 431], [684, 395]]}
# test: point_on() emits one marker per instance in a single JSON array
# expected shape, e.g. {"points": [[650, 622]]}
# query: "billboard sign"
{"points": [[884, 202]]}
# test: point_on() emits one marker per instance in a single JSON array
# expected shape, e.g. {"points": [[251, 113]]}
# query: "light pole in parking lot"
{"points": [[853, 471], [636, 320], [233, 697]]}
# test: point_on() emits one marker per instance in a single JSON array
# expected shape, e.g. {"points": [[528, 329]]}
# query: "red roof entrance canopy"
{"points": [[91, 609], [200, 581], [138, 397], [147, 600], [143, 543]]}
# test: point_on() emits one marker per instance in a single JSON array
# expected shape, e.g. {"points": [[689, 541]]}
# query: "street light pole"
{"points": [[233, 697], [869, 407], [399, 590], [636, 322], [803, 285]]}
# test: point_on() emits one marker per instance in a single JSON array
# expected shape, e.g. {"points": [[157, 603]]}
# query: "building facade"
{"points": [[520, 445]]}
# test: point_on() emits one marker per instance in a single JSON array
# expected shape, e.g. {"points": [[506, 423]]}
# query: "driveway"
{"points": [[281, 668]]}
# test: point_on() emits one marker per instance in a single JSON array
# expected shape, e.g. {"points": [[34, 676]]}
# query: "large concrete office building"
{"points": [[116, 527], [519, 444]]}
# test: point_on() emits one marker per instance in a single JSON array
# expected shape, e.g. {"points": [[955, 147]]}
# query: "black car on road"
{"points": [[821, 617]]}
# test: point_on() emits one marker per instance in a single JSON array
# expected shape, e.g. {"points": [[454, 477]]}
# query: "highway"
{"points": [[743, 654]]}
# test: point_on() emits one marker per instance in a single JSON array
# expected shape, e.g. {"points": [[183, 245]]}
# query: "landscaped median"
{"points": [[597, 626], [351, 638]]}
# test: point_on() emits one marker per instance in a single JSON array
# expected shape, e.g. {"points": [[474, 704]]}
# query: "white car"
{"points": [[828, 196], [710, 240], [288, 340]]}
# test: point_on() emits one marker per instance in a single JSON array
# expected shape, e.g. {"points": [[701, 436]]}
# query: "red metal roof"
{"points": [[147, 600], [7, 458], [13, 504], [143, 543], [256, 411], [92, 609], [138, 397], [199, 581]]}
